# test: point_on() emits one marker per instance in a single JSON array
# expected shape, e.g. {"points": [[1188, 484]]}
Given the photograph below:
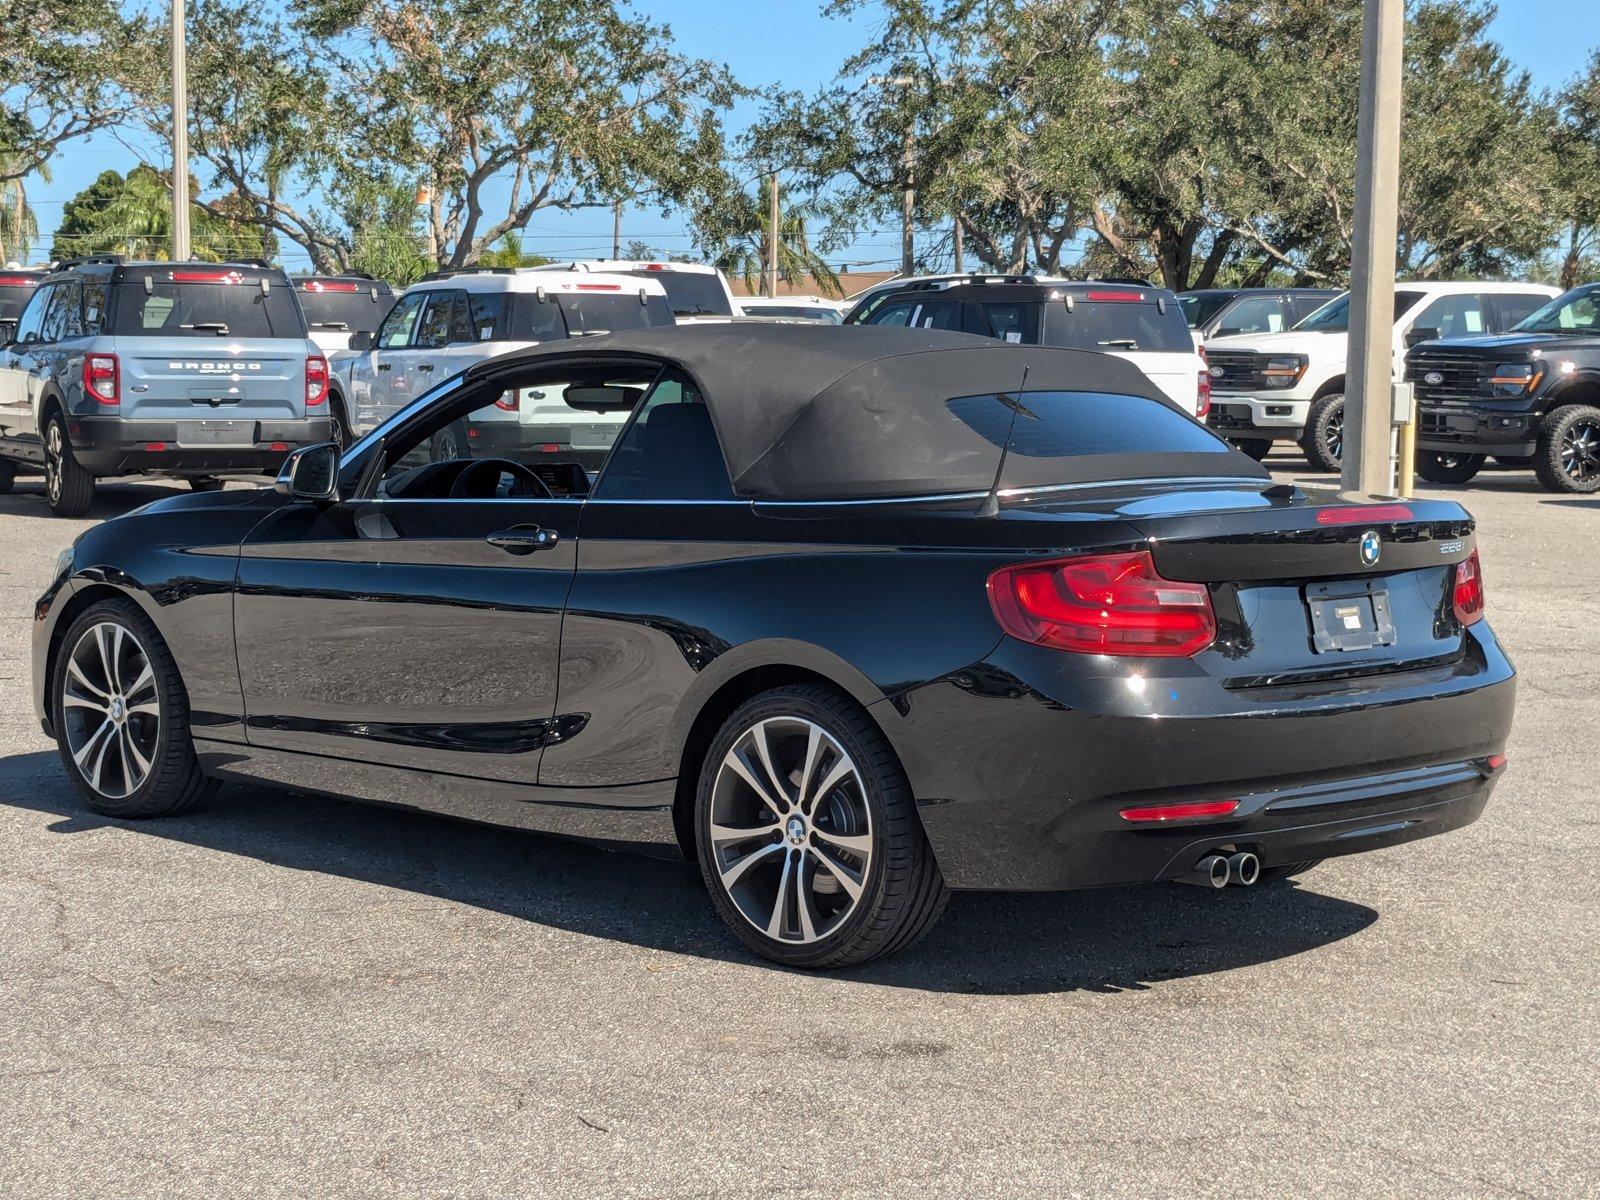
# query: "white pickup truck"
{"points": [[1289, 386], [453, 319]]}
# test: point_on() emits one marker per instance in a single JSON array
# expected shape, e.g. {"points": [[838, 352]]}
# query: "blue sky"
{"points": [[788, 42]]}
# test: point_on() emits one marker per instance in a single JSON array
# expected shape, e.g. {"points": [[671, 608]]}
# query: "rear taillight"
{"points": [[1119, 297], [1180, 812], [316, 380], [206, 277], [1202, 404], [1363, 514], [1468, 599], [1104, 604], [100, 377], [329, 285]]}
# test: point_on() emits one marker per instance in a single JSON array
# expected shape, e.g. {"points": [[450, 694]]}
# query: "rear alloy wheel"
{"points": [[1324, 440], [1568, 459], [808, 838], [1256, 448], [67, 486], [121, 716], [447, 445], [1440, 467], [340, 432]]}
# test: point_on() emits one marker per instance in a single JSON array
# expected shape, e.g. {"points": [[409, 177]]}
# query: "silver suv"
{"points": [[188, 369]]}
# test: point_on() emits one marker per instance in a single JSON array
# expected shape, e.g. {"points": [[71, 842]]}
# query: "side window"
{"points": [[1512, 308], [94, 306], [395, 332], [893, 314], [32, 318], [443, 318], [1012, 322], [1304, 306], [1256, 314], [63, 318], [487, 316], [670, 452], [940, 314], [1453, 316]]}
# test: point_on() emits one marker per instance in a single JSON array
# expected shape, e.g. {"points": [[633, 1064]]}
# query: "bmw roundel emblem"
{"points": [[1371, 548], [1433, 378]]}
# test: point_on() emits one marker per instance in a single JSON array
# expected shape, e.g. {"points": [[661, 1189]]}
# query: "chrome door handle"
{"points": [[523, 539]]}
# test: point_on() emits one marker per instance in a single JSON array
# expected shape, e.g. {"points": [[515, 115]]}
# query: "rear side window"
{"points": [[177, 308], [670, 452], [1012, 322], [1454, 316], [1083, 424], [1515, 307], [1117, 325]]}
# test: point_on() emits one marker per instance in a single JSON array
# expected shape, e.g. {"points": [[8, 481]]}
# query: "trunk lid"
{"points": [[181, 379]]}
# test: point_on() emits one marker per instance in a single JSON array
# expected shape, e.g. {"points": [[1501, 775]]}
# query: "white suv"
{"points": [[1289, 386], [453, 319], [693, 289]]}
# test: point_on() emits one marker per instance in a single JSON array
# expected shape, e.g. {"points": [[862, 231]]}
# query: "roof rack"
{"points": [[89, 259], [474, 270]]}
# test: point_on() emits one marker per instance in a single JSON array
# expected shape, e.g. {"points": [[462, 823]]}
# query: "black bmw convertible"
{"points": [[853, 617]]}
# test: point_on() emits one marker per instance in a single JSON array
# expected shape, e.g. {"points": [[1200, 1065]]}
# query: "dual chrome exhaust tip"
{"points": [[1241, 869]]}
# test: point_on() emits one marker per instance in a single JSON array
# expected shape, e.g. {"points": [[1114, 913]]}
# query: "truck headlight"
{"points": [[1284, 370], [1517, 379]]}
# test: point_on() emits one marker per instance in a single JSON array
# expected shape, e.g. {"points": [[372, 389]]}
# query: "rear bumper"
{"points": [[117, 446], [1460, 430], [1021, 776]]}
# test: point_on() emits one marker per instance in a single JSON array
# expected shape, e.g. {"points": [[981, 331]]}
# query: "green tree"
{"points": [[132, 215], [1576, 144], [734, 232]]}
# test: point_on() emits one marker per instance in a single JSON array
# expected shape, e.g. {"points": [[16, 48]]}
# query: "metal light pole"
{"points": [[1367, 462], [957, 257], [616, 229], [772, 241], [180, 138], [908, 206]]}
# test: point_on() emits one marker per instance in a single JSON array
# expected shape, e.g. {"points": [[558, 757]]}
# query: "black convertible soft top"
{"points": [[849, 412]]}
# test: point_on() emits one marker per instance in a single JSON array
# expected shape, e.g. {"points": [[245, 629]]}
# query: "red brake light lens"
{"points": [[1180, 812], [1203, 391], [1469, 590], [1364, 514], [1103, 604], [206, 277], [599, 287], [1104, 297], [17, 281], [316, 380], [329, 285], [100, 377]]}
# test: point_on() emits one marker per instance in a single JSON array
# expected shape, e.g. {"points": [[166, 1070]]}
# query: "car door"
{"points": [[370, 374], [1510, 309], [444, 319], [419, 632], [21, 365]]}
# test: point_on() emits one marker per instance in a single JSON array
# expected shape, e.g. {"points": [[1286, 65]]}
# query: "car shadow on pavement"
{"points": [[1104, 940], [112, 498]]}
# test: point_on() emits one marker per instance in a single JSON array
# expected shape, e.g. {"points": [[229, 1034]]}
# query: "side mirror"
{"points": [[361, 340], [1421, 333], [311, 473]]}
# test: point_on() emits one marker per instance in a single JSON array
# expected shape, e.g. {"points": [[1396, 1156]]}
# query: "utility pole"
{"points": [[772, 241], [908, 203], [955, 244], [180, 137], [1367, 464], [616, 229]]}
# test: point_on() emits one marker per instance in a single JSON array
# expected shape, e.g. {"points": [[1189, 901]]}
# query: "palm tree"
{"points": [[18, 225], [138, 222], [746, 255]]}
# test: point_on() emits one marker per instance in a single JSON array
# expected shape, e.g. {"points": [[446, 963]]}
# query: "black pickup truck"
{"points": [[1529, 397]]}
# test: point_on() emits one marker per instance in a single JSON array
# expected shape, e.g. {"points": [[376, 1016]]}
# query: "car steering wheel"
{"points": [[485, 474]]}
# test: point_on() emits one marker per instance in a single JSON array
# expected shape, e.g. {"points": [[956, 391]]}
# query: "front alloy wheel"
{"points": [[807, 834], [111, 714], [1568, 456]]}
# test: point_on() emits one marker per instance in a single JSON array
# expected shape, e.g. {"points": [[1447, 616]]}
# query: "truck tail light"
{"points": [[100, 377], [1468, 599], [1202, 401], [1103, 604], [316, 380]]}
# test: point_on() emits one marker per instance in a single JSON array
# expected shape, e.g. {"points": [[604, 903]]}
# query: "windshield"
{"points": [[691, 293], [1572, 312], [354, 310], [205, 310], [1199, 308], [1334, 316]]}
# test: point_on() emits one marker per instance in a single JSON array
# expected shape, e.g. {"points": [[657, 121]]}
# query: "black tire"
{"points": [[1439, 467], [68, 487], [174, 781], [1324, 438], [449, 443], [901, 893], [204, 483], [1286, 871], [1568, 458], [340, 432], [1256, 448], [8, 477]]}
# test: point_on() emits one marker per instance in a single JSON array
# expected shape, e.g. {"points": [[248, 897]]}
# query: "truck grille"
{"points": [[1237, 370], [1460, 378]]}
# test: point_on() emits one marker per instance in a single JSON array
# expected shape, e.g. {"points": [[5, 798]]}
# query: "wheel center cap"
{"points": [[796, 830], [118, 709]]}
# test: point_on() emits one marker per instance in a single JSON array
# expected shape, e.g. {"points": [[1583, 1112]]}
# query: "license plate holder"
{"points": [[216, 433], [1349, 615]]}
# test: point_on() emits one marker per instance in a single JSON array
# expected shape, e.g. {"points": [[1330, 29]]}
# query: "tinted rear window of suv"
{"points": [[1117, 325], [203, 309]]}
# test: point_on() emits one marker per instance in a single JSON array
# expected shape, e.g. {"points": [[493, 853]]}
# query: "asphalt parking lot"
{"points": [[285, 994]]}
